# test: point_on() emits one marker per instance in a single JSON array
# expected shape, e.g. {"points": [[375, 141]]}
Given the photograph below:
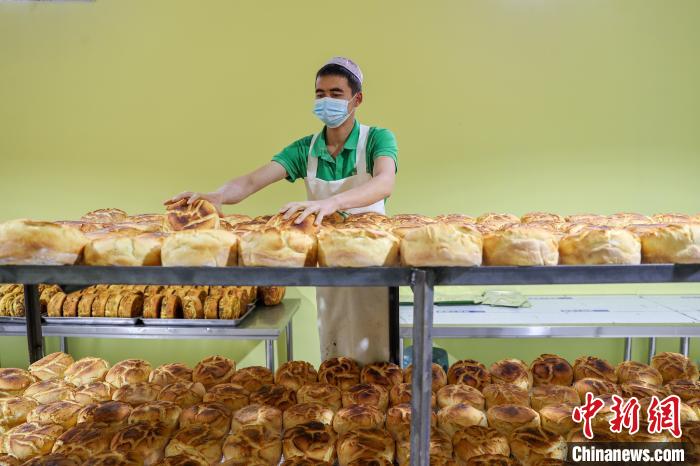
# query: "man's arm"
{"points": [[379, 187], [239, 188]]}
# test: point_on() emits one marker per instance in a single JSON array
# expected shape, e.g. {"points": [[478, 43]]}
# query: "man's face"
{"points": [[337, 87]]}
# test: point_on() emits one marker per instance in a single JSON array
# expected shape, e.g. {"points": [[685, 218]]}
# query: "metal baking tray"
{"points": [[198, 322], [13, 320], [91, 320]]}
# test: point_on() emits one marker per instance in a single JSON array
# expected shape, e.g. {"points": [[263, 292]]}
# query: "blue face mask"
{"points": [[333, 112]]}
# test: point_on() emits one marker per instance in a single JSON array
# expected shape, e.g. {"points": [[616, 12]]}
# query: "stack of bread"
{"points": [[196, 235], [12, 298], [86, 412]]}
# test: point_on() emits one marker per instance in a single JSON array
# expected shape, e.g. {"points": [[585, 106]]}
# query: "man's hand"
{"points": [[320, 208], [215, 198]]}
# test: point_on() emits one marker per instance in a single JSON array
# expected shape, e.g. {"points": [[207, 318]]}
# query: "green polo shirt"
{"points": [[380, 143]]}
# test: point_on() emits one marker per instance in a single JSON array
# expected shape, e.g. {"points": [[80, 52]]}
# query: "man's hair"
{"points": [[337, 70]]}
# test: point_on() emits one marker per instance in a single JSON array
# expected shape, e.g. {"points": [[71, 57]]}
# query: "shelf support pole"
{"points": [[685, 346], [628, 349], [32, 311], [394, 335]]}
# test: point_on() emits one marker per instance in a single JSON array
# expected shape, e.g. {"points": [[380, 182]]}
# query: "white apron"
{"points": [[352, 321]]}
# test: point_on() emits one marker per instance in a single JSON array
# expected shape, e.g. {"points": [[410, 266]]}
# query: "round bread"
{"points": [[550, 369], [113, 459], [216, 415], [9, 460], [529, 445], [439, 378], [253, 442], [453, 394], [110, 215], [52, 366], [170, 373], [479, 440], [497, 220], [14, 382], [675, 243], [535, 217], [557, 419], [440, 447], [357, 246], [640, 390], [183, 394], [278, 396], [386, 374], [366, 394], [512, 371], [469, 372], [402, 393], [591, 367], [295, 374], [521, 245], [183, 460], [491, 460], [315, 440], [674, 366], [196, 441], [14, 411], [507, 418], [636, 372], [137, 393], [398, 421], [145, 441], [108, 412], [440, 244], [198, 215], [686, 390], [365, 443], [233, 396], [31, 439], [63, 413], [265, 416], [301, 461], [505, 394], [50, 391], [546, 395], [128, 371], [459, 416], [595, 245], [358, 417], [342, 372], [252, 378], [39, 243], [624, 219], [307, 412], [155, 412], [322, 393], [84, 441], [54, 459], [94, 392], [596, 386], [213, 371]]}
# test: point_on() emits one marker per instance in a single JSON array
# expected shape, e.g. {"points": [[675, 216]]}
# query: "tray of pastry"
{"points": [[184, 322], [90, 320], [12, 320]]}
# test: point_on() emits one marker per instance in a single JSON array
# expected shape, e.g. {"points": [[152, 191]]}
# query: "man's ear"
{"points": [[358, 99]]}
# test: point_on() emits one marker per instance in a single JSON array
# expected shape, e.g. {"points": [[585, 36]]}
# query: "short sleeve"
{"points": [[381, 142], [294, 157]]}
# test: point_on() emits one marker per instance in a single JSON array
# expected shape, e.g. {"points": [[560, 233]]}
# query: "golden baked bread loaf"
{"points": [[198, 215], [497, 220], [674, 366], [513, 371], [545, 395], [109, 215], [453, 394], [507, 418], [197, 441], [686, 390], [550, 369], [366, 394], [14, 411], [497, 394], [30, 439], [295, 374], [591, 367], [54, 459], [140, 250], [532, 444], [216, 415], [214, 370], [439, 377], [307, 412], [398, 421], [322, 393], [278, 396], [402, 224], [51, 366], [673, 217], [63, 413], [600, 245], [624, 219], [70, 305], [315, 440], [137, 393], [54, 308], [14, 382], [157, 412], [50, 391], [99, 304], [557, 418], [233, 396], [642, 390], [350, 246], [491, 460], [357, 417], [253, 442], [281, 243], [170, 373], [145, 441], [521, 245], [365, 443], [479, 440], [341, 371], [182, 459], [112, 304], [301, 461], [440, 447], [84, 441], [536, 217], [459, 416], [128, 371], [193, 248], [384, 373], [183, 394], [113, 459], [595, 386], [266, 416], [441, 244], [271, 295], [109, 412], [253, 377], [152, 305], [402, 393], [40, 243], [636, 372], [9, 460], [469, 372], [131, 306]]}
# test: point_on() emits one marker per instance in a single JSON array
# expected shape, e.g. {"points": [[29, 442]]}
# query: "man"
{"points": [[347, 167]]}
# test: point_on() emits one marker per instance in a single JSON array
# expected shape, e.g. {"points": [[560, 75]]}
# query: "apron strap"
{"points": [[361, 151], [311, 161]]}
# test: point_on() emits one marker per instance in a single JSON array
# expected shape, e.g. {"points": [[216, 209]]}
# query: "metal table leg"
{"points": [[63, 345], [290, 341], [628, 349], [270, 354], [652, 348], [394, 325], [422, 366], [32, 311], [401, 351], [685, 346]]}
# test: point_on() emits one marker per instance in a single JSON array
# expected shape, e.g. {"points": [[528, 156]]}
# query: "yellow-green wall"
{"points": [[509, 105]]}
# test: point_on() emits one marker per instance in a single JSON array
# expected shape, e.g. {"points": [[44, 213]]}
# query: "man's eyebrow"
{"points": [[337, 89]]}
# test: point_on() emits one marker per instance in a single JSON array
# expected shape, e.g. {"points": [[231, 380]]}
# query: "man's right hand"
{"points": [[215, 198]]}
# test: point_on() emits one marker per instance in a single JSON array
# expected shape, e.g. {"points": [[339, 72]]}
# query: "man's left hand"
{"points": [[320, 208]]}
